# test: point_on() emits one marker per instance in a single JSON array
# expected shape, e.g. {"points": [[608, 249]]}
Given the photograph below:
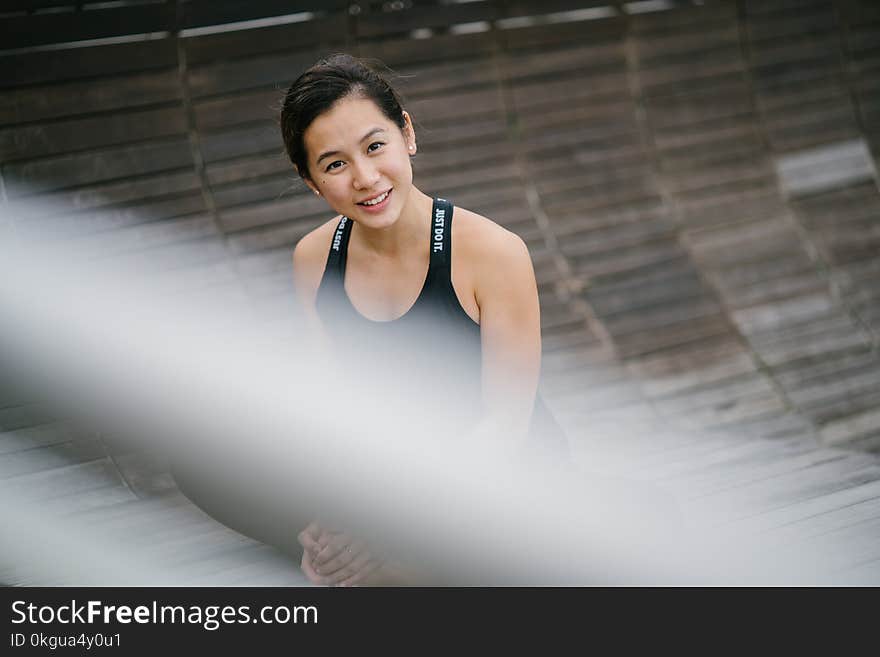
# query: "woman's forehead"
{"points": [[345, 123]]}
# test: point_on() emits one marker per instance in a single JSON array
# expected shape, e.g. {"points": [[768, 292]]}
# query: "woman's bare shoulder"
{"points": [[310, 258], [481, 238], [498, 264], [316, 243]]}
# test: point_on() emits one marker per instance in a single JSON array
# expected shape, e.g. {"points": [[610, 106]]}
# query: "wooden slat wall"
{"points": [[821, 344], [645, 158], [715, 179]]}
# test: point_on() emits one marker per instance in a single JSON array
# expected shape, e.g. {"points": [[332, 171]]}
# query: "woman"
{"points": [[385, 265]]}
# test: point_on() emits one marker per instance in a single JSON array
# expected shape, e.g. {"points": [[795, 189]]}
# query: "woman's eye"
{"points": [[377, 144], [334, 165]]}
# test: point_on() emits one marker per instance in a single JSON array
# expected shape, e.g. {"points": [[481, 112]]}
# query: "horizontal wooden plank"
{"points": [[851, 427], [49, 457], [24, 416], [819, 340], [619, 132], [672, 336], [642, 260], [732, 187], [540, 37], [784, 424], [480, 178], [485, 201], [455, 106], [659, 46], [826, 167], [69, 480], [779, 289], [370, 25], [97, 95], [242, 141], [645, 292], [591, 60], [797, 96], [827, 370], [104, 194], [448, 47], [283, 234], [855, 402], [773, 77], [585, 178], [726, 172], [585, 91], [259, 105], [776, 316], [528, 8], [729, 245], [816, 481], [44, 28], [854, 201], [91, 62], [829, 125], [434, 78], [844, 386], [677, 312], [34, 5], [26, 142], [691, 70], [447, 135], [702, 106], [814, 21], [322, 34], [32, 437], [86, 168], [729, 206], [250, 168], [234, 75], [141, 237], [265, 189], [691, 368], [465, 155], [781, 8], [577, 216], [272, 212], [197, 13], [684, 19], [94, 221], [616, 238], [749, 272], [722, 153]]}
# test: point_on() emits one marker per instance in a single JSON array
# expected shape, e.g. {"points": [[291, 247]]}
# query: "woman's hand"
{"points": [[334, 558]]}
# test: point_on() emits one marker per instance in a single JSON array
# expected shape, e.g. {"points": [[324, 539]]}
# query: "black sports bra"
{"points": [[440, 341]]}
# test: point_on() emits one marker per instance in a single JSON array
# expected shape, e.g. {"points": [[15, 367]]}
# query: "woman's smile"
{"points": [[377, 203]]}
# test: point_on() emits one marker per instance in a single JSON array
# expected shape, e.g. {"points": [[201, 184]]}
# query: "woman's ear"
{"points": [[409, 134], [307, 181], [311, 185]]}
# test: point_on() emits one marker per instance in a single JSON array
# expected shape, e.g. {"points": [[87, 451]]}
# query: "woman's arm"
{"points": [[510, 329]]}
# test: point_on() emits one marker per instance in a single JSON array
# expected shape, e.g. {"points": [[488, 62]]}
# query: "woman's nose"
{"points": [[365, 175]]}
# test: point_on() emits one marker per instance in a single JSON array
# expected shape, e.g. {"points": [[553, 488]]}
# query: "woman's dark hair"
{"points": [[322, 86]]}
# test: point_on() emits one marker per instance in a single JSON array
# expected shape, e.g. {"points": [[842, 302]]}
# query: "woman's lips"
{"points": [[378, 207]]}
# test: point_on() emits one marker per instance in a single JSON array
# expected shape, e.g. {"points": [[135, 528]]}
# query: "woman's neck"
{"points": [[410, 230]]}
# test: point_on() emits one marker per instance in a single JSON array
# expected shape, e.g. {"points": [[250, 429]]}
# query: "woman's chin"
{"points": [[382, 220]]}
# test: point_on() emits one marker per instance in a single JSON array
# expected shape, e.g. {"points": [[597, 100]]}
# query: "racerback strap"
{"points": [[441, 235], [339, 246]]}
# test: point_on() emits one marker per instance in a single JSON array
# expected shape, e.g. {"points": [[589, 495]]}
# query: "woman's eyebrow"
{"points": [[364, 138]]}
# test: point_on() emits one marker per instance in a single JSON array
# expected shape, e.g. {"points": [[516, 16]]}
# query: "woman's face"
{"points": [[357, 155]]}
